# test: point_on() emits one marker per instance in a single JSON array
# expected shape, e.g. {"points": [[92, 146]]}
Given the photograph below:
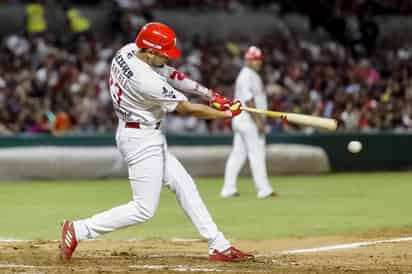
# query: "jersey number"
{"points": [[177, 75], [115, 91]]}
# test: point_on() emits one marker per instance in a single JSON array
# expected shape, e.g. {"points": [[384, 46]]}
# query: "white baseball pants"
{"points": [[150, 167], [247, 144]]}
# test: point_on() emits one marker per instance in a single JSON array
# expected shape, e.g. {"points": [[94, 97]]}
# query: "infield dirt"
{"points": [[179, 256]]}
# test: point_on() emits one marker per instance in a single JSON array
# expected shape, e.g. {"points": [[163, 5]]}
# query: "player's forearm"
{"points": [[206, 112], [202, 111]]}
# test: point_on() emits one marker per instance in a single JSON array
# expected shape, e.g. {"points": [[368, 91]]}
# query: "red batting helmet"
{"points": [[160, 38], [253, 53]]}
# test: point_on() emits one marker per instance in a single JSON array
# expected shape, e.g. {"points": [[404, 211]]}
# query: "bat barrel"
{"points": [[300, 119]]}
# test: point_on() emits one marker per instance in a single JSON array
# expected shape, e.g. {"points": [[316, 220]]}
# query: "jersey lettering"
{"points": [[123, 66], [168, 93], [131, 54]]}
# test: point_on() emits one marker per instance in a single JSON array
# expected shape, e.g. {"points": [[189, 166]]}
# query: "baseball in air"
{"points": [[354, 146]]}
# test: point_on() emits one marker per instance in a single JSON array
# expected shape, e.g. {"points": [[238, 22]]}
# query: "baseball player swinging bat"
{"points": [[300, 119]]}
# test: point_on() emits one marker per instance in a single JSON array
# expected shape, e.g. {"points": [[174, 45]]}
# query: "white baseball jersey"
{"points": [[249, 86], [141, 93]]}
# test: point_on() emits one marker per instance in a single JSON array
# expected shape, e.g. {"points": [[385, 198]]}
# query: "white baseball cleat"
{"points": [[267, 195], [229, 194]]}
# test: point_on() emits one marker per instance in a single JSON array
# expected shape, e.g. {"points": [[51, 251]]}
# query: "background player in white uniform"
{"points": [[249, 130], [143, 90]]}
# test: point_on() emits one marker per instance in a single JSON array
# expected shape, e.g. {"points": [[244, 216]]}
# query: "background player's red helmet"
{"points": [[253, 53], [159, 37]]}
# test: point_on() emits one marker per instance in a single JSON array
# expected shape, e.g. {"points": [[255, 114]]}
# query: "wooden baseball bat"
{"points": [[300, 119]]}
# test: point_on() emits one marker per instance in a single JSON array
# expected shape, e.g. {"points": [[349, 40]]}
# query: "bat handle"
{"points": [[251, 109]]}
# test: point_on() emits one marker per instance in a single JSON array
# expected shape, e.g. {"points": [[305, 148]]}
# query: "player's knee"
{"points": [[147, 212], [143, 212]]}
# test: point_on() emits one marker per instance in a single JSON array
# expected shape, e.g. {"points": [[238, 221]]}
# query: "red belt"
{"points": [[137, 125]]}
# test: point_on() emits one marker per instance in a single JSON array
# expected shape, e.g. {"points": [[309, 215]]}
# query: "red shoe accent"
{"points": [[230, 255], [68, 242]]}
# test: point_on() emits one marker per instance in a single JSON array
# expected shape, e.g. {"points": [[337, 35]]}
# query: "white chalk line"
{"points": [[344, 246], [11, 240], [14, 240], [23, 266], [186, 240]]}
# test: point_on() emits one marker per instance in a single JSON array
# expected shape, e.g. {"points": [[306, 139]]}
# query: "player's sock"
{"points": [[219, 243]]}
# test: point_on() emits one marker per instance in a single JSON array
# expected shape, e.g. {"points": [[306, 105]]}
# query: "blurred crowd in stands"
{"points": [[58, 84]]}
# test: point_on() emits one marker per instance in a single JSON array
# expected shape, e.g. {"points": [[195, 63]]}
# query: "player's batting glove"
{"points": [[235, 108], [220, 102]]}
